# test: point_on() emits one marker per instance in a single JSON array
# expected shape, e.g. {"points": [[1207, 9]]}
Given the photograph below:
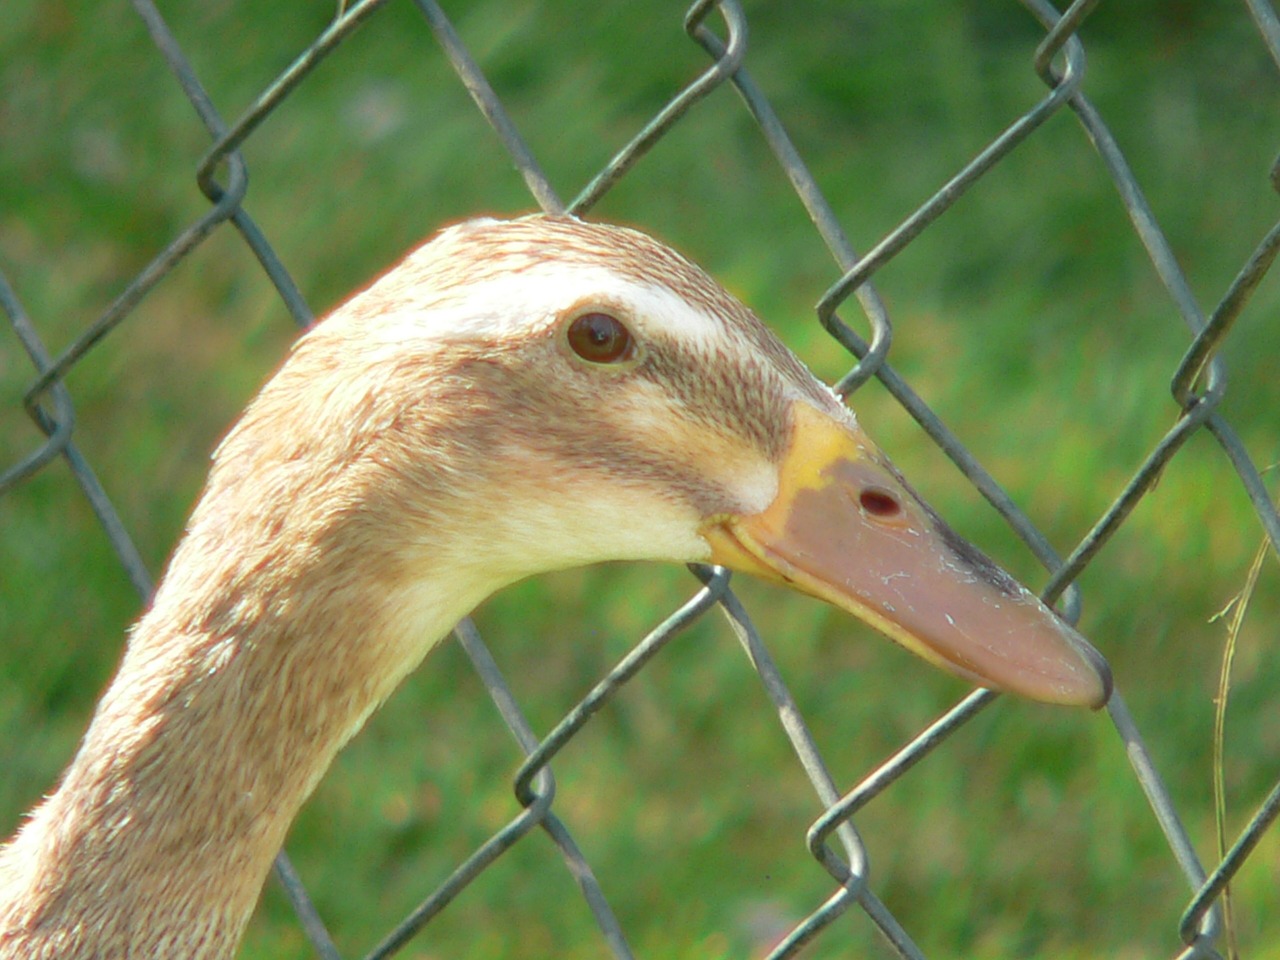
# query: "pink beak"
{"points": [[846, 527]]}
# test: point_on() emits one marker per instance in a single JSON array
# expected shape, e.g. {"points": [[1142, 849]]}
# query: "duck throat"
{"points": [[330, 551], [237, 689]]}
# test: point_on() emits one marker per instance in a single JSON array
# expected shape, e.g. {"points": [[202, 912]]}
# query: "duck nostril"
{"points": [[879, 503]]}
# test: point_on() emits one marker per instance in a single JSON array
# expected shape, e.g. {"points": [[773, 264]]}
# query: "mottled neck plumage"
{"points": [[283, 621]]}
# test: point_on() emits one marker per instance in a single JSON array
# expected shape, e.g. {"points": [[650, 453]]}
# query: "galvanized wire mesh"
{"points": [[1198, 387]]}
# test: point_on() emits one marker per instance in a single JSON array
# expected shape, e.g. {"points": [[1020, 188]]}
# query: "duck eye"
{"points": [[600, 338]]}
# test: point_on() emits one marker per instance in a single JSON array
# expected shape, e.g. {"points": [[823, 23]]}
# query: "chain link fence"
{"points": [[1198, 385]]}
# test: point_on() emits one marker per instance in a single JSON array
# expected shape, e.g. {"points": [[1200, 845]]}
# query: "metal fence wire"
{"points": [[1198, 386]]}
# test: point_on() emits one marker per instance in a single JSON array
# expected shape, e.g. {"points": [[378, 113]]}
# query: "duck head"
{"points": [[584, 393]]}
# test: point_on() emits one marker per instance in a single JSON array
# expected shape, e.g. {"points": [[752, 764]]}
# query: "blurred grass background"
{"points": [[1028, 317]]}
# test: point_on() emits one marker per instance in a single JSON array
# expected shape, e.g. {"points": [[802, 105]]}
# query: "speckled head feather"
{"points": [[705, 331]]}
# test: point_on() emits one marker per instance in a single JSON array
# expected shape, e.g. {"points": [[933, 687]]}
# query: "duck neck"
{"points": [[237, 689]]}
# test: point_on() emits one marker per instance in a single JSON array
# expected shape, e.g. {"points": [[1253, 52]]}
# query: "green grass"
{"points": [[1028, 316]]}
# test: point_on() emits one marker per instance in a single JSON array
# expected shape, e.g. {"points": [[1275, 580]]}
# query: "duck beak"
{"points": [[845, 527]]}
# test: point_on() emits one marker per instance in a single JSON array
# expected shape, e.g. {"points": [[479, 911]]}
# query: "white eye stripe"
{"points": [[525, 301]]}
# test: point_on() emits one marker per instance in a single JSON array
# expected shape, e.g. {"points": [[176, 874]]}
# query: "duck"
{"points": [[514, 397]]}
